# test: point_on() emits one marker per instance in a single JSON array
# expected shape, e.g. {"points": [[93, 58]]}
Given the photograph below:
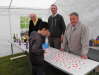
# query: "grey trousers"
{"points": [[55, 42]]}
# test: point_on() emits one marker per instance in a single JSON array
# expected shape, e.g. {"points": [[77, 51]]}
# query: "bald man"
{"points": [[34, 23]]}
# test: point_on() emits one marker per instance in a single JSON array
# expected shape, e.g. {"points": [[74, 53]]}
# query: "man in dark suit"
{"points": [[34, 23], [36, 52]]}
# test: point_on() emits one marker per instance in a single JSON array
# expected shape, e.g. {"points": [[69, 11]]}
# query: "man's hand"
{"points": [[84, 57], [61, 38], [61, 49]]}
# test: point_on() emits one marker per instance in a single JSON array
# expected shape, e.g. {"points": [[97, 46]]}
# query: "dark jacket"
{"points": [[56, 25], [32, 27], [35, 48]]}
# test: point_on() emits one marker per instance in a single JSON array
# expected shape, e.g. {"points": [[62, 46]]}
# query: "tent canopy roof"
{"points": [[35, 4]]}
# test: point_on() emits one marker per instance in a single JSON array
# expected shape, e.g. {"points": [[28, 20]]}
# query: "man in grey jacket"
{"points": [[56, 27], [76, 37]]}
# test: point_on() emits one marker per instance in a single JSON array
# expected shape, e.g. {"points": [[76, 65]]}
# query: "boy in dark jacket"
{"points": [[36, 51]]}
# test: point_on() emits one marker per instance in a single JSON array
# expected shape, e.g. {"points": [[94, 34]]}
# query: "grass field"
{"points": [[22, 66]]}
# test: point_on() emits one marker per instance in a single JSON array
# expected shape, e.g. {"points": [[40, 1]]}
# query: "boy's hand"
{"points": [[49, 34], [45, 52]]}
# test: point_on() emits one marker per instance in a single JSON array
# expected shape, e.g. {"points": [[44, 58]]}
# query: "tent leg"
{"points": [[12, 48]]}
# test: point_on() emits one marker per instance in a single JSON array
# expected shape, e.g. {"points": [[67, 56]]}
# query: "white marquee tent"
{"points": [[11, 10]]}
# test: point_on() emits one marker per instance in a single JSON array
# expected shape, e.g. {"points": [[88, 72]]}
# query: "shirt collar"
{"points": [[35, 21], [76, 25], [54, 15]]}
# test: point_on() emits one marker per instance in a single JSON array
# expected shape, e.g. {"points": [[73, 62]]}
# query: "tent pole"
{"points": [[10, 27]]}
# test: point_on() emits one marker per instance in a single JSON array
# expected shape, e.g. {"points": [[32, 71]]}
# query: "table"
{"points": [[66, 62], [96, 48]]}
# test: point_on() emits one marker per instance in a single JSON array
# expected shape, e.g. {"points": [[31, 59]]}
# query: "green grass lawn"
{"points": [[14, 67], [22, 66]]}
